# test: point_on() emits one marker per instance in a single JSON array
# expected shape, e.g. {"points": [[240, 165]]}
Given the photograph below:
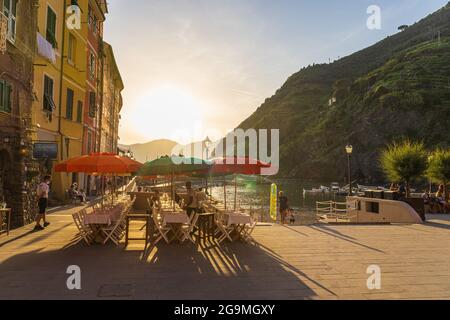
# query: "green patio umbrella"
{"points": [[174, 166]]}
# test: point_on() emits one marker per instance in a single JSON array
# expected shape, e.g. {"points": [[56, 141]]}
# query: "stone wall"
{"points": [[16, 67]]}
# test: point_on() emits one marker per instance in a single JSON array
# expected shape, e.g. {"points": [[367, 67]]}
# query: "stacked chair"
{"points": [[84, 231], [116, 231]]}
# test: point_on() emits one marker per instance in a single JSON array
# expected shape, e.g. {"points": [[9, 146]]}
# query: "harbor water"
{"points": [[253, 194]]}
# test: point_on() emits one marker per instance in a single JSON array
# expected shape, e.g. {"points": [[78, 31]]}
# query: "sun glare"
{"points": [[170, 112]]}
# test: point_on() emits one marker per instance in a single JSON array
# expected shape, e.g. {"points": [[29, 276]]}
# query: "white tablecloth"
{"points": [[175, 217], [237, 218], [103, 217]]}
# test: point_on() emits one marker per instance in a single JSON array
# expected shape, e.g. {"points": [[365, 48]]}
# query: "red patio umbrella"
{"points": [[236, 165]]}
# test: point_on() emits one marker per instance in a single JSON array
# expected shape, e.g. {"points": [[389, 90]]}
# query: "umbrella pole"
{"points": [[114, 188], [235, 192], [173, 196], [103, 188], [225, 192]]}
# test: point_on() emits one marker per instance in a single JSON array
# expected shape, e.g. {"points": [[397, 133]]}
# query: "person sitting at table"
{"points": [[440, 198], [393, 187], [82, 194], [431, 205], [75, 193], [401, 192], [201, 197], [177, 198], [192, 200], [156, 200]]}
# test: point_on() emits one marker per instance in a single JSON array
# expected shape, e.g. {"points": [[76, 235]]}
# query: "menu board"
{"points": [[45, 151]]}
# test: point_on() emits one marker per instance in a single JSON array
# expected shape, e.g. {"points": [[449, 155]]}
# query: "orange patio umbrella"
{"points": [[99, 163], [102, 164]]}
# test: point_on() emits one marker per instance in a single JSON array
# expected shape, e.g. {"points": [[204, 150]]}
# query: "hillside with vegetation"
{"points": [[397, 88]]}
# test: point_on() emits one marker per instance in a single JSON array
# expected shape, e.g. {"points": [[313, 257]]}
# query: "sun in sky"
{"points": [[169, 111]]}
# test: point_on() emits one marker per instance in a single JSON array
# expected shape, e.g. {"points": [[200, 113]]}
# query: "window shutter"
{"points": [[69, 104], [2, 99], [80, 112], [9, 99]]}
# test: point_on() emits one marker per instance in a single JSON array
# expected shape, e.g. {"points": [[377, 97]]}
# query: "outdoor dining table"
{"points": [[102, 217], [239, 220], [175, 219]]}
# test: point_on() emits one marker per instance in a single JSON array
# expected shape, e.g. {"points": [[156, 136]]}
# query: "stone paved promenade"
{"points": [[304, 262]]}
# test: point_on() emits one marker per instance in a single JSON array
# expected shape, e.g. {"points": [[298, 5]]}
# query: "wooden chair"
{"points": [[84, 231], [246, 232], [72, 197], [189, 228], [223, 231], [161, 229], [116, 231]]}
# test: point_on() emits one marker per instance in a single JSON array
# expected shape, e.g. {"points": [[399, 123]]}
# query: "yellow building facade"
{"points": [[73, 92], [59, 87]]}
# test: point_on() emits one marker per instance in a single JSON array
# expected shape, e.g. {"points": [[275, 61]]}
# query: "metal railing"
{"points": [[332, 210]]}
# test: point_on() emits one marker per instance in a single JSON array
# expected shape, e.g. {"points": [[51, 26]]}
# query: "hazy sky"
{"points": [[193, 68]]}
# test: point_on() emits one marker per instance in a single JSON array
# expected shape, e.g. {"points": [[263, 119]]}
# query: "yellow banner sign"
{"points": [[273, 201]]}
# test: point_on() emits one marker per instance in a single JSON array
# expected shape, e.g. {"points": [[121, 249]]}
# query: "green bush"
{"points": [[439, 168], [404, 161]]}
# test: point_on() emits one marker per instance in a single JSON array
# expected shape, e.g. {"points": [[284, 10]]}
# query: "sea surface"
{"points": [[252, 194]]}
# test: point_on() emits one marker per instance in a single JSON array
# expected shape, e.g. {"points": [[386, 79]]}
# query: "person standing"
{"points": [[284, 206], [201, 198], [192, 200], [42, 193]]}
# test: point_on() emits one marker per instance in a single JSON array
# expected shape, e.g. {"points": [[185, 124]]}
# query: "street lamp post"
{"points": [[430, 158], [349, 151], [207, 143]]}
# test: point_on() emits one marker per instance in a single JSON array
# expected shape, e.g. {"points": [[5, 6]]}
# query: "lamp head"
{"points": [[207, 142], [349, 149]]}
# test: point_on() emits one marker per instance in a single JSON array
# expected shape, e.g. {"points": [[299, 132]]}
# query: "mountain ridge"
{"points": [[366, 83]]}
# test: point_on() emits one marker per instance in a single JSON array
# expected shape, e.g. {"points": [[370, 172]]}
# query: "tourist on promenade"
{"points": [[291, 217], [284, 206], [42, 193]]}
